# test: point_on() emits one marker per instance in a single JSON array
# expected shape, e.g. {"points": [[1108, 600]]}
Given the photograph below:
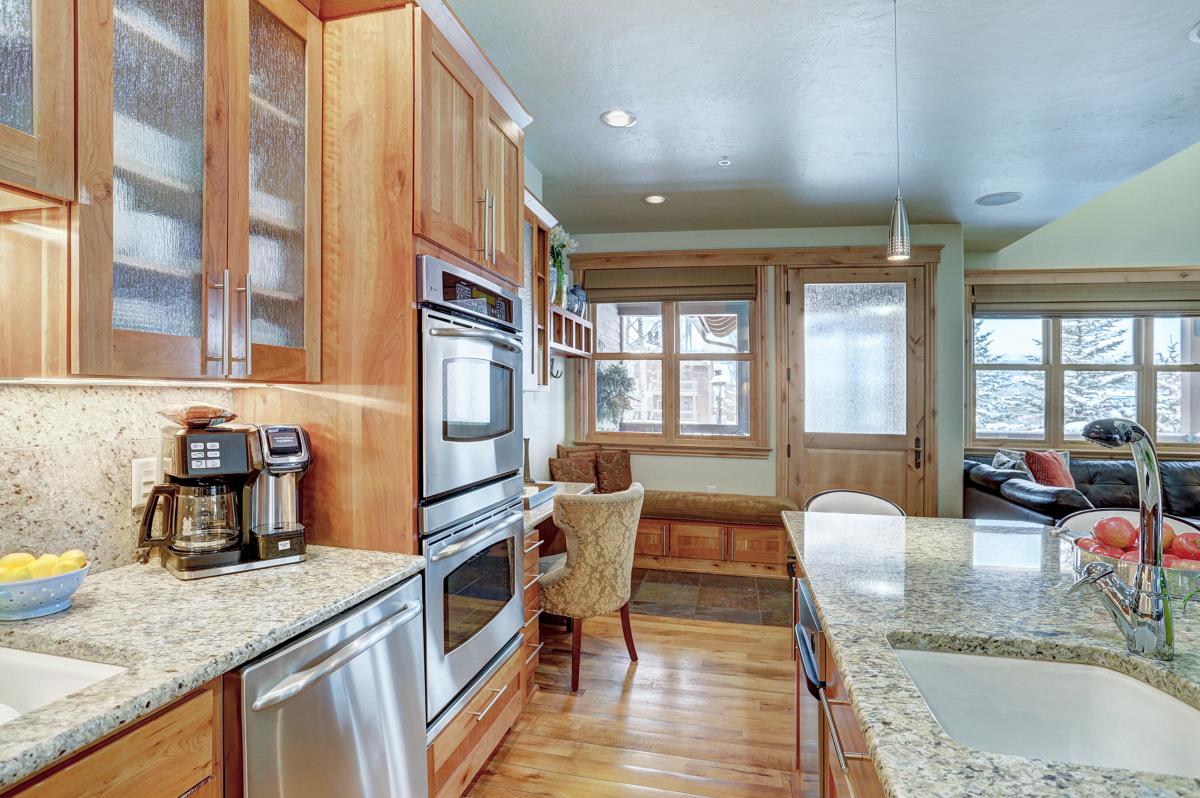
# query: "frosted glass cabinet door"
{"points": [[37, 96], [279, 289]]}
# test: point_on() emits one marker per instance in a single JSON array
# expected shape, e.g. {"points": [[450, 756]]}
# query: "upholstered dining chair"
{"points": [[600, 532], [853, 502]]}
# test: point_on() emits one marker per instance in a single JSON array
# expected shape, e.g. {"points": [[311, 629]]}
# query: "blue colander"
{"points": [[34, 598]]}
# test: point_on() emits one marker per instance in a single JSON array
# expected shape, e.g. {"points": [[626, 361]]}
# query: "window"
{"points": [[677, 375], [1039, 380]]}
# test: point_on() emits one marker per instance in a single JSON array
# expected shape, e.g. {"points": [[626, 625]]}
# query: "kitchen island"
{"points": [[975, 587], [173, 637]]}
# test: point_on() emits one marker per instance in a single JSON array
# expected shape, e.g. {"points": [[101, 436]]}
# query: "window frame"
{"points": [[670, 440], [1144, 368]]}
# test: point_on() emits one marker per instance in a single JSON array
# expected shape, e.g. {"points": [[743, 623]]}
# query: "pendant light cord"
{"points": [[896, 75]]}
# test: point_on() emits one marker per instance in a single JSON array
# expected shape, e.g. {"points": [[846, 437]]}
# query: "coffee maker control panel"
{"points": [[216, 454]]}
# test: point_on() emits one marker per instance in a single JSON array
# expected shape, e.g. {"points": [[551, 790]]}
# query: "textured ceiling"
{"points": [[1059, 100]]}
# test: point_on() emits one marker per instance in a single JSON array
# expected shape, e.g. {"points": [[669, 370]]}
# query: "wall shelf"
{"points": [[570, 335]]}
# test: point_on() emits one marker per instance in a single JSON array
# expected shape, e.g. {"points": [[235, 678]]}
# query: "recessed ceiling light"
{"points": [[724, 162], [999, 198], [655, 199], [618, 117], [1194, 33]]}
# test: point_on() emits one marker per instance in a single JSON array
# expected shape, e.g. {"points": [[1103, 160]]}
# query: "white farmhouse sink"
{"points": [[33, 680], [1056, 710]]}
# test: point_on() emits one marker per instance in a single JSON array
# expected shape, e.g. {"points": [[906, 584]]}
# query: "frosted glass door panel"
{"points": [[277, 180], [16, 64], [158, 166], [855, 358]]}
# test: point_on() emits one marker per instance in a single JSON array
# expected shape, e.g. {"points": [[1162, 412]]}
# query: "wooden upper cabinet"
{"points": [[37, 105], [504, 181], [187, 179], [450, 206]]}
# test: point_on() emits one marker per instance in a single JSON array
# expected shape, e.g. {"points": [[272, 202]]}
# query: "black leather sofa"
{"points": [[1009, 495]]}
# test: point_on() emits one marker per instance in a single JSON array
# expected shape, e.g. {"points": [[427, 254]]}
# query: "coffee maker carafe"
{"points": [[205, 498]]}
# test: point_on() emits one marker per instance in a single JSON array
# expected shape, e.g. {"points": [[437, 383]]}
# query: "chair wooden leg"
{"points": [[576, 646], [628, 632]]}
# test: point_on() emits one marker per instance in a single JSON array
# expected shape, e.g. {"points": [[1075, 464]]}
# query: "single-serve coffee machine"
{"points": [[224, 502]]}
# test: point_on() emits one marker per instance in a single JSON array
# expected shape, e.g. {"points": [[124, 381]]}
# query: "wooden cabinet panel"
{"points": [[533, 547], [449, 205], [504, 179], [163, 757], [759, 545], [461, 749], [37, 124], [697, 541], [651, 538]]}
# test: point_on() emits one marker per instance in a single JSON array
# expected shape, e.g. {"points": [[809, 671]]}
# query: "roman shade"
{"points": [[1157, 298], [670, 283]]}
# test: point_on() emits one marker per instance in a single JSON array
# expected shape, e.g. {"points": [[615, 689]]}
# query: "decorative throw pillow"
{"points": [[1050, 468], [1011, 460], [613, 472], [572, 469], [582, 452]]}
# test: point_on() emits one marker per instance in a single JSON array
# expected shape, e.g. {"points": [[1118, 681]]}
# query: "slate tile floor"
{"points": [[712, 597]]}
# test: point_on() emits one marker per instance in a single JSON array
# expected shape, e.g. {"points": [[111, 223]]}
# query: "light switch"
{"points": [[144, 474]]}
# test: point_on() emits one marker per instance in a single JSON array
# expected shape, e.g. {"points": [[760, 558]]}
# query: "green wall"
{"points": [[758, 476]]}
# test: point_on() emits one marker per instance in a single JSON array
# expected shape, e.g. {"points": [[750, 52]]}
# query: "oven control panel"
{"points": [[449, 286]]}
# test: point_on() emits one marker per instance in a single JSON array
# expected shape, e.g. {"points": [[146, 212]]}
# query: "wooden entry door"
{"points": [[857, 355]]}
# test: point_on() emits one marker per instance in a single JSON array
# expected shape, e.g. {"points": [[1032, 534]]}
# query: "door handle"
{"points": [[226, 307], [497, 338], [918, 450], [298, 682], [249, 292], [493, 229], [484, 202], [478, 537]]}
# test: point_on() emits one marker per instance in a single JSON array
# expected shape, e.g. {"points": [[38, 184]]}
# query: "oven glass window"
{"points": [[476, 592], [477, 399]]}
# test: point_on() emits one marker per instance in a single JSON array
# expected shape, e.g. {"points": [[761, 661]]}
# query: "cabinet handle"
{"points": [[536, 651], [484, 203], [249, 292], [226, 306], [493, 229], [533, 581], [483, 712], [536, 615], [529, 549]]}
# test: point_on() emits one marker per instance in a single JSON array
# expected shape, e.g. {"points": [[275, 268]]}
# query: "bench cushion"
{"points": [[721, 508]]}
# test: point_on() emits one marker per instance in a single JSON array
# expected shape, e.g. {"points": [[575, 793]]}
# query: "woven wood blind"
{"points": [[1168, 298], [663, 284]]}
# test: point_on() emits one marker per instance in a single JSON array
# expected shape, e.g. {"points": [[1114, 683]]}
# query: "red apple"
{"points": [[1133, 555], [1187, 546], [1115, 531], [1187, 565], [1168, 536], [1087, 544], [1108, 551]]}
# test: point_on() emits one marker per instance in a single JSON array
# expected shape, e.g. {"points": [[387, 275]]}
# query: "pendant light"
{"points": [[899, 245]]}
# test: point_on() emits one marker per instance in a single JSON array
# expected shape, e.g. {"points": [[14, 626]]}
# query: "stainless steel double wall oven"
{"points": [[471, 486]]}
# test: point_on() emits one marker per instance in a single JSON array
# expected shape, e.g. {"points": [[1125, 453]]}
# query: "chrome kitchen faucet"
{"points": [[1142, 611]]}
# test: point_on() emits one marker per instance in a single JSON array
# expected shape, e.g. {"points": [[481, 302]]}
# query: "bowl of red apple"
{"points": [[1114, 540]]}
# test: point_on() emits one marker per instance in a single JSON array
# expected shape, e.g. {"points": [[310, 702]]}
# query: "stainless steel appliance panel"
{"points": [[341, 710], [473, 601], [470, 403]]}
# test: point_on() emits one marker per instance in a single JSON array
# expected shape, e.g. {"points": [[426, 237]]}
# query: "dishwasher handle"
{"points": [[298, 682]]}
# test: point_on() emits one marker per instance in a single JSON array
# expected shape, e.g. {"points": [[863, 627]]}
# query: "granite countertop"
{"points": [[979, 587], [174, 636], [546, 509]]}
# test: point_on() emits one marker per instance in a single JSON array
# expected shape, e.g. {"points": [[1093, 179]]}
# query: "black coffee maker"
{"points": [[205, 500]]}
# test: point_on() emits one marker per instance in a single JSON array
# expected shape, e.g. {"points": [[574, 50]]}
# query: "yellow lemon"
{"points": [[48, 558], [66, 566], [21, 574], [74, 554], [16, 559], [7, 575], [42, 568]]}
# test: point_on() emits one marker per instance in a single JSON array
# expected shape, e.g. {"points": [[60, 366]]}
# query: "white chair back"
{"points": [[853, 502], [1083, 520]]}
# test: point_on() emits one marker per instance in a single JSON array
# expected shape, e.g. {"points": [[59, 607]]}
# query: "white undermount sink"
{"points": [[33, 680], [1056, 710]]}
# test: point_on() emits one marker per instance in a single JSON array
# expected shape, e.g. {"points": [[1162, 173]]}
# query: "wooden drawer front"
{"points": [[163, 757], [829, 672], [533, 589], [533, 606], [651, 538], [862, 781], [533, 548], [530, 655], [759, 545], [457, 754], [697, 541]]}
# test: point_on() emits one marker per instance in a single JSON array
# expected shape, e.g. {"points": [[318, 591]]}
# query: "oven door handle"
{"points": [[298, 682], [497, 338], [478, 537]]}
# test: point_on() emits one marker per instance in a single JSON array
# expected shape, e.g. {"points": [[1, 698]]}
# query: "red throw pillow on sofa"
{"points": [[613, 472], [1049, 468]]}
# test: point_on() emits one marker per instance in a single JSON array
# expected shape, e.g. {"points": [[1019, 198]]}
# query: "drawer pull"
{"points": [[536, 651], [483, 712], [534, 546], [536, 615], [533, 581]]}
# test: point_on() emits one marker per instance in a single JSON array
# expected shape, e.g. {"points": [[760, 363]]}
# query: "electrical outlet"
{"points": [[712, 488], [145, 472]]}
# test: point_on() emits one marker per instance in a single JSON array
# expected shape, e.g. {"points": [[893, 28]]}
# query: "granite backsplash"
{"points": [[65, 455]]}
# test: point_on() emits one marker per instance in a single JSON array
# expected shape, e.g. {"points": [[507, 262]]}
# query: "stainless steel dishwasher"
{"points": [[339, 711]]}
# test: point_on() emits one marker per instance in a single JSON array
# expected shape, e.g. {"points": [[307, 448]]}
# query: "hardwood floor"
{"points": [[707, 711]]}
